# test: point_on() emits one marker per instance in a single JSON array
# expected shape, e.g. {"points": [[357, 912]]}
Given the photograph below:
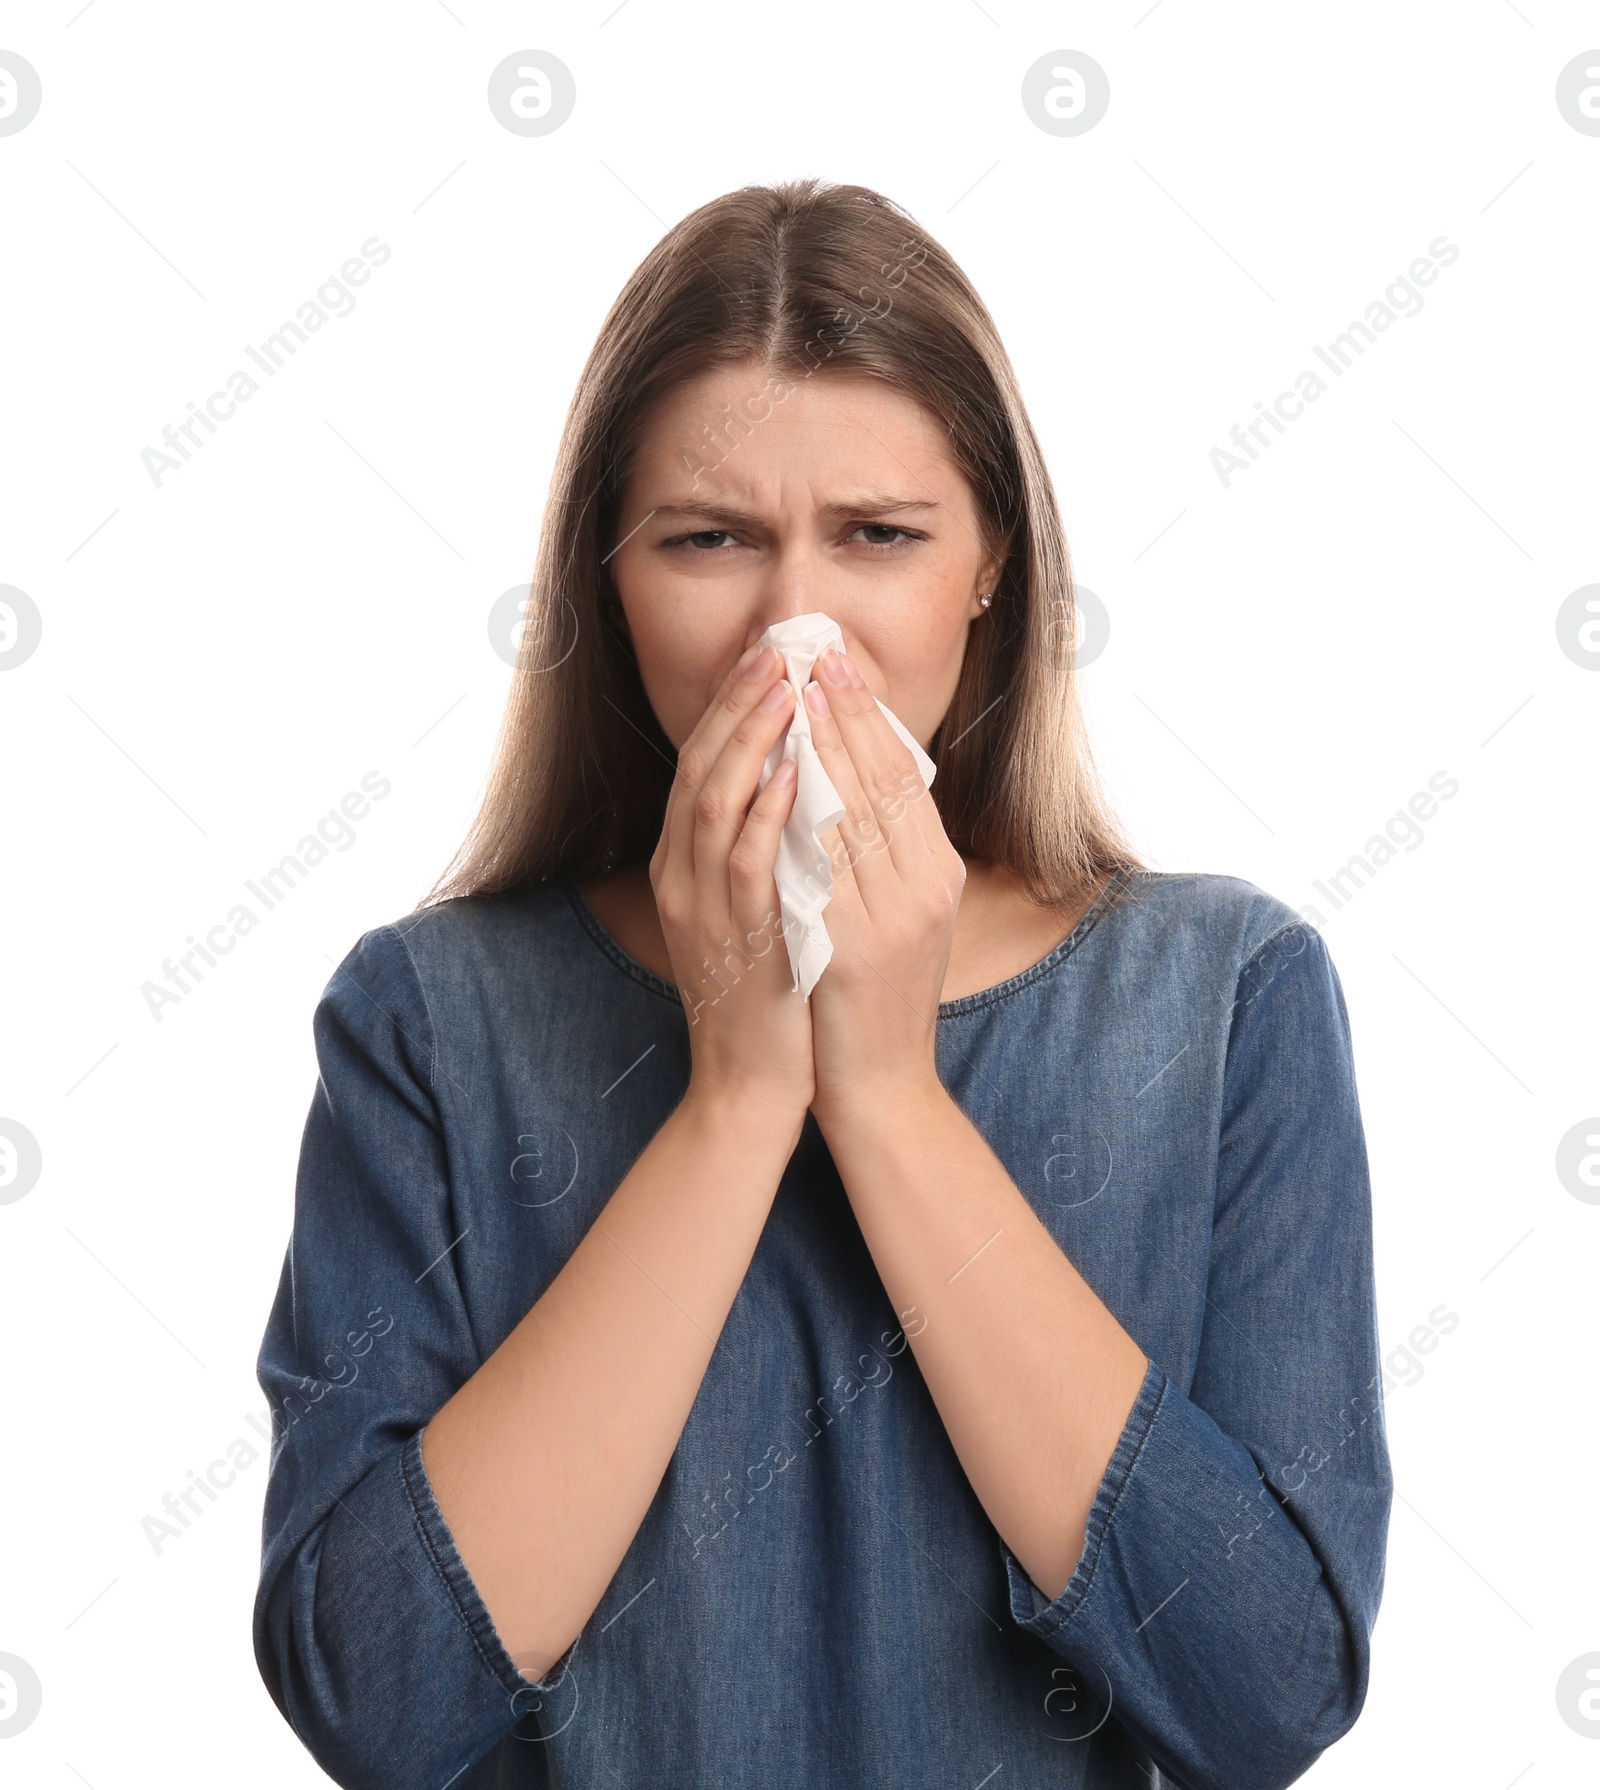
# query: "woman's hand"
{"points": [[712, 873], [897, 888]]}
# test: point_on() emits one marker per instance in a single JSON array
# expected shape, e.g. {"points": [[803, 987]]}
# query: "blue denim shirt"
{"points": [[816, 1597]]}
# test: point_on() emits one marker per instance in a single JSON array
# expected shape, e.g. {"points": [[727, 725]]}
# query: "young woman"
{"points": [[967, 1373]]}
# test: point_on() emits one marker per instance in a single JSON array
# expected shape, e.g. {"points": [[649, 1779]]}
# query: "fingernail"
{"points": [[817, 699], [833, 667], [777, 696], [757, 668], [744, 659]]}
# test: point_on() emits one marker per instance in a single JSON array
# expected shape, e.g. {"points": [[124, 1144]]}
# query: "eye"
{"points": [[889, 528], [708, 541], [700, 538]]}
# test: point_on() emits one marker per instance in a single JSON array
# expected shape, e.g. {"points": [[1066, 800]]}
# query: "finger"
{"points": [[736, 696], [719, 811], [735, 671], [872, 771], [754, 855], [888, 773], [860, 849]]}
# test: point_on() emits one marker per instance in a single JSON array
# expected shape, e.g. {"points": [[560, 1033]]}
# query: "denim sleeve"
{"points": [[1234, 1554], [368, 1631]]}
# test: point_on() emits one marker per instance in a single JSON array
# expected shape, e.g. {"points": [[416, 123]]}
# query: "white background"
{"points": [[225, 655]]}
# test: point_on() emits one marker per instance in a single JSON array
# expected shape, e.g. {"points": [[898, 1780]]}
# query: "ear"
{"points": [[989, 572]]}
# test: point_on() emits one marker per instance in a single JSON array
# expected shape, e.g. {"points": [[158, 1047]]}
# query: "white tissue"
{"points": [[804, 871]]}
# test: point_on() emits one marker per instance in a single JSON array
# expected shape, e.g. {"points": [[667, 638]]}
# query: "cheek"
{"points": [[680, 671], [924, 651]]}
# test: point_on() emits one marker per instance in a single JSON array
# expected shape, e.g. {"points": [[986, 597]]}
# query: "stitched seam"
{"points": [[647, 979], [1116, 884], [986, 997], [1226, 1045], [433, 1030], [439, 1564], [1116, 1499], [1287, 926]]}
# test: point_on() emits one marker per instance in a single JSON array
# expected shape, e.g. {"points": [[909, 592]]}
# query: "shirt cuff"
{"points": [[524, 1692], [1030, 1608]]}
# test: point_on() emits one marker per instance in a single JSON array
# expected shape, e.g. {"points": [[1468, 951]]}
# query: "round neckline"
{"points": [[963, 1004]]}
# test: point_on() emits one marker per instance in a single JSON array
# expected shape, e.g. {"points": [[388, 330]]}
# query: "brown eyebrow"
{"points": [[866, 504]]}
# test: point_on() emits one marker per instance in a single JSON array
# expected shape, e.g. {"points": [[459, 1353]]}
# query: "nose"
{"points": [[789, 586]]}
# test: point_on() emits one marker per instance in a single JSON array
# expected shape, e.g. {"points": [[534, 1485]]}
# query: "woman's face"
{"points": [[844, 498]]}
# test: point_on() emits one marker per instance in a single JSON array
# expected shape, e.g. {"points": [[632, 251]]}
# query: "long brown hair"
{"points": [[803, 277]]}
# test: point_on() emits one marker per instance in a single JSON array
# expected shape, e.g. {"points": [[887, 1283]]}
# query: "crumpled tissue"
{"points": [[803, 870]]}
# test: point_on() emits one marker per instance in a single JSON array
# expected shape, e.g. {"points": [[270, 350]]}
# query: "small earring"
{"points": [[986, 600]]}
